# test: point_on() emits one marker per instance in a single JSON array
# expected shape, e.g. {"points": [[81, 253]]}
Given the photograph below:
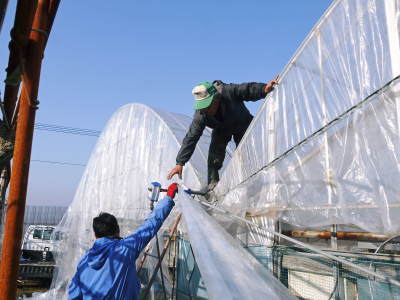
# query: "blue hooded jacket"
{"points": [[108, 271]]}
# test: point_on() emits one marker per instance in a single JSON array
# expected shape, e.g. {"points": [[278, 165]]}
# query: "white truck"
{"points": [[39, 243]]}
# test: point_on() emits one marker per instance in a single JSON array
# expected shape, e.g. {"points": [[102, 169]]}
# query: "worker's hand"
{"points": [[177, 170], [172, 189], [270, 85]]}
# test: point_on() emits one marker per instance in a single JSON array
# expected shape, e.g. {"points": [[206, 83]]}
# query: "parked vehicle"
{"points": [[39, 243]]}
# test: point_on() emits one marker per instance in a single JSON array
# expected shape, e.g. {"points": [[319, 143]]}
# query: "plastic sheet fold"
{"points": [[324, 149], [138, 146], [316, 154], [229, 271]]}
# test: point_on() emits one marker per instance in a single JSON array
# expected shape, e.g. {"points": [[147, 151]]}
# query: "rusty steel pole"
{"points": [[22, 152], [20, 33], [24, 14]]}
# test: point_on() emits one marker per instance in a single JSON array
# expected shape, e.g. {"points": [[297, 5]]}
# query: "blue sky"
{"points": [[104, 54]]}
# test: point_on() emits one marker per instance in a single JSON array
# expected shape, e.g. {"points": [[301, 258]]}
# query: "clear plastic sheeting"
{"points": [[298, 162], [138, 146], [324, 149], [228, 270]]}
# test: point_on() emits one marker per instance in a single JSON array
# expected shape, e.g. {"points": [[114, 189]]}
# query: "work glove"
{"points": [[172, 190]]}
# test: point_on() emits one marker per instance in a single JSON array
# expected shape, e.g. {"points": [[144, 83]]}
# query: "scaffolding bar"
{"points": [[161, 257]]}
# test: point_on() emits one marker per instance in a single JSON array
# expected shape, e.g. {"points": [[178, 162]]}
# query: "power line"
{"points": [[58, 162], [67, 129]]}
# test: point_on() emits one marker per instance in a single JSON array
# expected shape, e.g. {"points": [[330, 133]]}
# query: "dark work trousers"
{"points": [[216, 153]]}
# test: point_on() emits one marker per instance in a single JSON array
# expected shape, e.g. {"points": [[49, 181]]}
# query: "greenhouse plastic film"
{"points": [[323, 149], [138, 146], [229, 271], [348, 174]]}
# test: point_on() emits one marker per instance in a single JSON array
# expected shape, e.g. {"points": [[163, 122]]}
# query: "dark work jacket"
{"points": [[232, 115]]}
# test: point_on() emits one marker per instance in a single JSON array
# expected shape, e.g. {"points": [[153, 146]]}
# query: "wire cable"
{"points": [[59, 162], [67, 129]]}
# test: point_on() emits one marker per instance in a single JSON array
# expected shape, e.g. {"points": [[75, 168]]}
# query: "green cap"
{"points": [[204, 94]]}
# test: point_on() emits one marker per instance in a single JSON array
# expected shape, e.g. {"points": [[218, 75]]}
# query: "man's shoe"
{"points": [[210, 197], [211, 185], [212, 177]]}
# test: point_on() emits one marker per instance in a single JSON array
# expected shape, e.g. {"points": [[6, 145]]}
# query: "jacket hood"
{"points": [[99, 253]]}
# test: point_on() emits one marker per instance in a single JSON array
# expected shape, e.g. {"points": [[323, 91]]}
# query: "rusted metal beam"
{"points": [[24, 15], [341, 235], [19, 39], [22, 152]]}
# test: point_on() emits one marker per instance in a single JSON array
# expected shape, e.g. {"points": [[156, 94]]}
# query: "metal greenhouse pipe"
{"points": [[153, 276], [315, 249], [341, 235], [171, 233], [22, 151]]}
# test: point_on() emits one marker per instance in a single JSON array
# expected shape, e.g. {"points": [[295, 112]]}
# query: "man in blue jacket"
{"points": [[107, 270]]}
